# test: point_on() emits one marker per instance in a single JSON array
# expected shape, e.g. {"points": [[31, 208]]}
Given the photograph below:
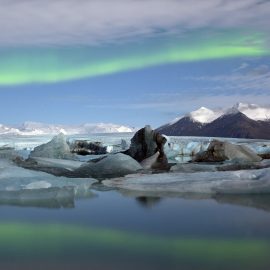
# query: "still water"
{"points": [[110, 229]]}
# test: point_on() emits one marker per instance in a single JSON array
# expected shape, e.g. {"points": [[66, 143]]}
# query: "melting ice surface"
{"points": [[49, 222]]}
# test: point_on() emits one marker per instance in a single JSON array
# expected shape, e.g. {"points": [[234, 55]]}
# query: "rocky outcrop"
{"points": [[56, 148], [219, 151]]}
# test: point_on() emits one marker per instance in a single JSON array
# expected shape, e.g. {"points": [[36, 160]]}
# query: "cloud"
{"points": [[241, 67], [251, 81], [260, 70], [62, 22]]}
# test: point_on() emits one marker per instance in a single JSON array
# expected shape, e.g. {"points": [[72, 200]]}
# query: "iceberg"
{"points": [[228, 182], [177, 147], [114, 165], [13, 178], [56, 148], [58, 163]]}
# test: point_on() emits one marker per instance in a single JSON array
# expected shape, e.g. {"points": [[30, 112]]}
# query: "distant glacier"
{"points": [[36, 128]]}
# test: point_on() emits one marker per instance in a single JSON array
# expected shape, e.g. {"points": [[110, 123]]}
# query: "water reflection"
{"points": [[44, 198], [84, 247], [260, 201], [257, 201], [148, 202]]}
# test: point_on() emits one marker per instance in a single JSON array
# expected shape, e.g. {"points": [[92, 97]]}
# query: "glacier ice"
{"points": [[193, 167], [56, 148], [114, 165], [229, 182], [13, 178], [35, 128], [58, 163], [220, 151]]}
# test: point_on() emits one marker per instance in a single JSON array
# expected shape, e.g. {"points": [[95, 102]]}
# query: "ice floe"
{"points": [[13, 178], [229, 182]]}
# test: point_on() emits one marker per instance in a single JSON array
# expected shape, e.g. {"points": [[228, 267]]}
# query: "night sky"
{"points": [[130, 62]]}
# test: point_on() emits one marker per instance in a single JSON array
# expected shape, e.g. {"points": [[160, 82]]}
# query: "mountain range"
{"points": [[241, 121], [35, 128]]}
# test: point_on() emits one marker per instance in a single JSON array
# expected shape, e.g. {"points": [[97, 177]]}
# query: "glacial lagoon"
{"points": [[105, 227]]}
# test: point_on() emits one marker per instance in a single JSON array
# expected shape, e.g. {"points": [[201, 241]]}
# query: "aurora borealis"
{"points": [[123, 59], [50, 65]]}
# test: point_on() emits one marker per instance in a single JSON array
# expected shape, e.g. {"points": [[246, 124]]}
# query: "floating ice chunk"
{"points": [[260, 148], [192, 168], [38, 185], [237, 182], [59, 163], [177, 146], [14, 178], [111, 166], [56, 148], [221, 151], [149, 162], [109, 149]]}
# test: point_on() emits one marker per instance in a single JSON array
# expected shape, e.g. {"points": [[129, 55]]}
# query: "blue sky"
{"points": [[69, 63]]}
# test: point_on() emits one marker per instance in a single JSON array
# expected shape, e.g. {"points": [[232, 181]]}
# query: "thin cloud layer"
{"points": [[69, 22]]}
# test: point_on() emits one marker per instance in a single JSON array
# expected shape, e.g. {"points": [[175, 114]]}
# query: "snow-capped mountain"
{"points": [[240, 121], [35, 128], [254, 111], [204, 115], [8, 130]]}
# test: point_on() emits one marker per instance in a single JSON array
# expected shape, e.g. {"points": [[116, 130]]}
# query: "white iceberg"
{"points": [[56, 148], [13, 178], [229, 182]]}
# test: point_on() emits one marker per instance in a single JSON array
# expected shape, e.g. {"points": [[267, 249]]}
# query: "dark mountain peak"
{"points": [[183, 126], [233, 124], [234, 116]]}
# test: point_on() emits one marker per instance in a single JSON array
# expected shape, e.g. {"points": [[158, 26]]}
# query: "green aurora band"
{"points": [[51, 65]]}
